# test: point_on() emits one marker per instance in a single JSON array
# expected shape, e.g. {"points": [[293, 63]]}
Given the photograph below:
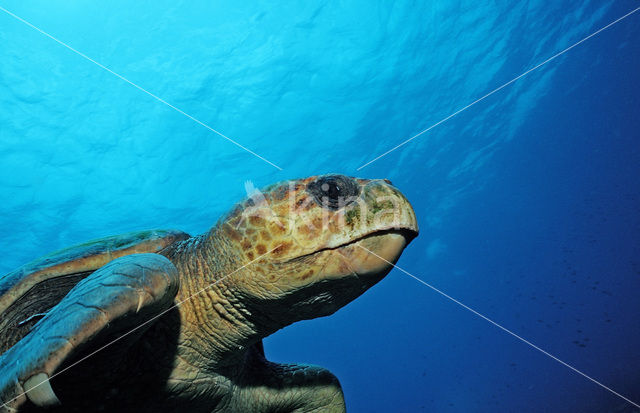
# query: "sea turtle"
{"points": [[161, 321]]}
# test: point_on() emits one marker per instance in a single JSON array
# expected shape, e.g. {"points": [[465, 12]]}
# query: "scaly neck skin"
{"points": [[217, 326]]}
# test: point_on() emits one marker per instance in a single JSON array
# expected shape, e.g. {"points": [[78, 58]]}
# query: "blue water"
{"points": [[528, 201]]}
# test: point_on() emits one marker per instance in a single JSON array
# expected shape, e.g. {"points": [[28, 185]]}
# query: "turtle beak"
{"points": [[373, 256]]}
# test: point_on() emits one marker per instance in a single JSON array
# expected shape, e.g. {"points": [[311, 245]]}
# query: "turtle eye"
{"points": [[334, 191]]}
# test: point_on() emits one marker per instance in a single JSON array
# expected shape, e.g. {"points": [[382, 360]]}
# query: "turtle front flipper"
{"points": [[290, 388], [118, 301]]}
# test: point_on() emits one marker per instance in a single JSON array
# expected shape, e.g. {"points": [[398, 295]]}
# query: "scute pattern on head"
{"points": [[309, 239], [290, 220]]}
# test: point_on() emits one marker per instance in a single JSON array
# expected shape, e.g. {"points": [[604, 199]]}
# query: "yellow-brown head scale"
{"points": [[317, 242]]}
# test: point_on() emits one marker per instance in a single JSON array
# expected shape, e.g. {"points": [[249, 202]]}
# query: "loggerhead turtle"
{"points": [[188, 314]]}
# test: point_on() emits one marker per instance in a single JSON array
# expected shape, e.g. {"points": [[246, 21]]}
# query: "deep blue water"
{"points": [[528, 202]]}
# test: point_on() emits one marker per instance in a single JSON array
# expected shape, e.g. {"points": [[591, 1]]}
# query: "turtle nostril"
{"points": [[387, 181]]}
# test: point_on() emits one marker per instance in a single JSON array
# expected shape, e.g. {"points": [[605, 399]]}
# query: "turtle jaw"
{"points": [[372, 256], [375, 253], [319, 283], [341, 274], [388, 243]]}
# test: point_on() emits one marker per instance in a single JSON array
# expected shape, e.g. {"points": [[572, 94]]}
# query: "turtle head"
{"points": [[313, 245]]}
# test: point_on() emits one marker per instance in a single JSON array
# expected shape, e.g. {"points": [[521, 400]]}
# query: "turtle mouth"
{"points": [[384, 234], [376, 252], [386, 243]]}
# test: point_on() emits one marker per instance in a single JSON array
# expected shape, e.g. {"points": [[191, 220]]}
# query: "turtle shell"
{"points": [[27, 293]]}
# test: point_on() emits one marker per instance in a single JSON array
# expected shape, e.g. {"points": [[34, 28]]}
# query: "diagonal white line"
{"points": [[506, 330], [501, 87], [138, 87], [178, 304]]}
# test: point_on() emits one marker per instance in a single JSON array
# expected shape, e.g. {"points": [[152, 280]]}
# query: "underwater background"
{"points": [[528, 201]]}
